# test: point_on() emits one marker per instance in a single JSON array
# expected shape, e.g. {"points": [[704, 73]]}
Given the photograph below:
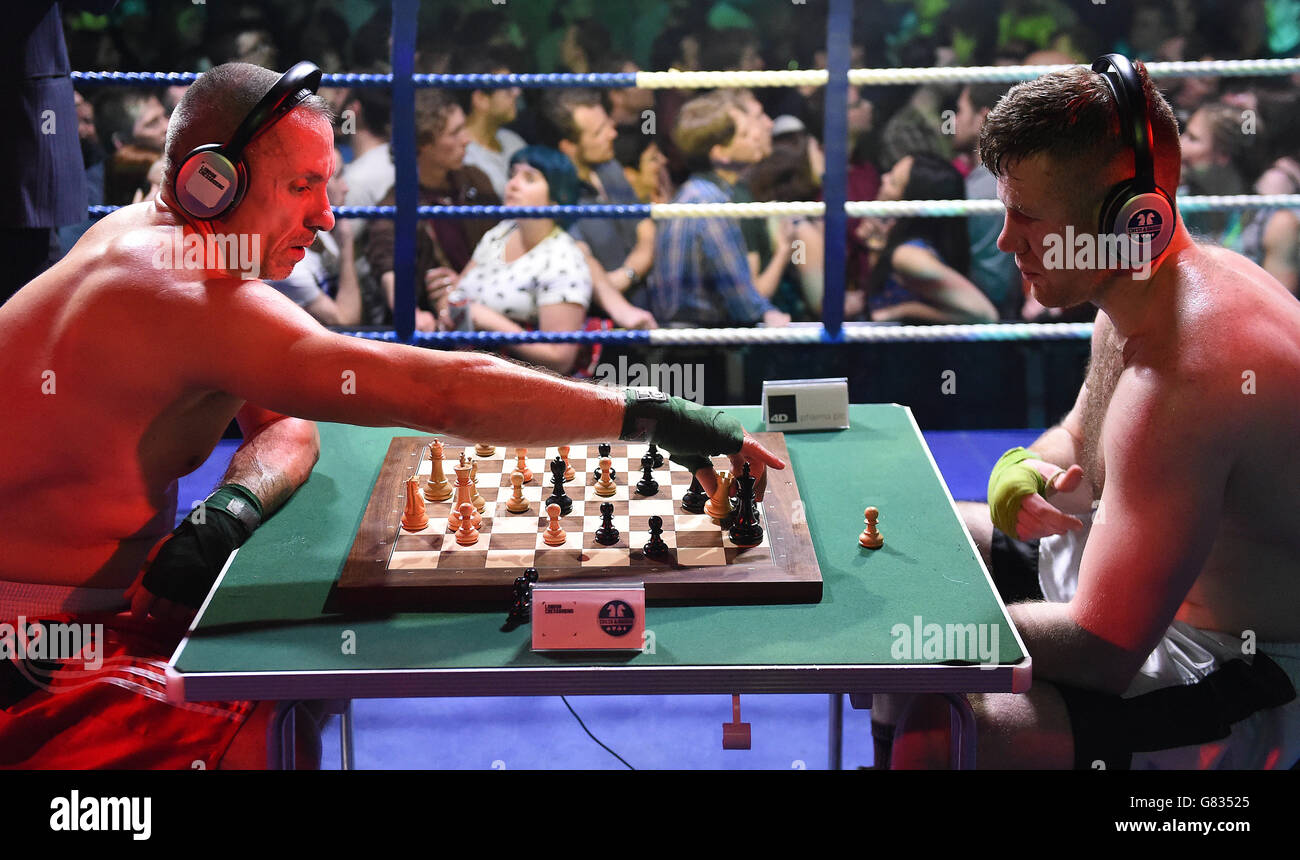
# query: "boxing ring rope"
{"points": [[836, 78]]}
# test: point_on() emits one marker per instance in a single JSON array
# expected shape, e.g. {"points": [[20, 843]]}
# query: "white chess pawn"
{"points": [[554, 535], [517, 504], [605, 486], [467, 534], [521, 466]]}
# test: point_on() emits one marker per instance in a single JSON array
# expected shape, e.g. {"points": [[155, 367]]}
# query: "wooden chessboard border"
{"points": [[789, 573]]}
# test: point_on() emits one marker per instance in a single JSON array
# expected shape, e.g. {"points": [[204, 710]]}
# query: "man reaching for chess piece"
{"points": [[159, 358]]}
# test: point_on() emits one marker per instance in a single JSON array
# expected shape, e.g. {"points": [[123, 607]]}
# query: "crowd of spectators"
{"points": [[504, 145]]}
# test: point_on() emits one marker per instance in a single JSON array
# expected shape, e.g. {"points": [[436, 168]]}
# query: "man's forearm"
{"points": [[1058, 446], [275, 460], [1063, 651]]}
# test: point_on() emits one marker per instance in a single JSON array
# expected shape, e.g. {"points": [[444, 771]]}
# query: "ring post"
{"points": [[406, 178], [839, 27]]}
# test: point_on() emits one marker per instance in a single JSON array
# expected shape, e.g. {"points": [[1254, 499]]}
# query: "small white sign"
{"points": [[806, 404]]}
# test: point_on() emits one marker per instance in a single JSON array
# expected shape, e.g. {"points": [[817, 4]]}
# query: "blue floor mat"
{"points": [[683, 732]]}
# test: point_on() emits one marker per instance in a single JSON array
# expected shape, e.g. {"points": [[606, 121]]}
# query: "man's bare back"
{"points": [[1228, 335], [107, 423]]}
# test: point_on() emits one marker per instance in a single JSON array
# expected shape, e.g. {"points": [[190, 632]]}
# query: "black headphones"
{"points": [[212, 179], [1137, 207]]}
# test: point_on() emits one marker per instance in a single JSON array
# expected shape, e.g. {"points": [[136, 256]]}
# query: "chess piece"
{"points": [[467, 534], [745, 530], [655, 547], [415, 517], [647, 486], [439, 488], [480, 504], [606, 486], [607, 535], [603, 450], [554, 535], [656, 456], [463, 495], [719, 506], [521, 455], [558, 496], [517, 504], [483, 449], [870, 537], [695, 497], [522, 606], [568, 469]]}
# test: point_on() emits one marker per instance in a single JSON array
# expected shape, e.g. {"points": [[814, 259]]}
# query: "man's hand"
{"points": [[759, 459], [1038, 517], [145, 604]]}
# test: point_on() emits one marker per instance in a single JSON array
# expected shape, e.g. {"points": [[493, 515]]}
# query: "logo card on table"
{"points": [[606, 617]]}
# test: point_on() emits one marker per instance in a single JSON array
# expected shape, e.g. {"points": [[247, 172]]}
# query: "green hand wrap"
{"points": [[1009, 482], [689, 432], [183, 567]]}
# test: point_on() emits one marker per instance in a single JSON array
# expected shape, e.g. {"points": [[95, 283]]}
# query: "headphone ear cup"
{"points": [[1141, 218], [208, 183]]}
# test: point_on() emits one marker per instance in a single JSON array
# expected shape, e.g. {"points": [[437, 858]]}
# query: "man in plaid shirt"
{"points": [[702, 274]]}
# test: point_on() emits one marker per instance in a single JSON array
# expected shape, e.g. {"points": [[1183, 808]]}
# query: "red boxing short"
{"points": [[105, 707]]}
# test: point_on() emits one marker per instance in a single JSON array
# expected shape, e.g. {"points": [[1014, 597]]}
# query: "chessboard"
{"points": [[391, 567]]}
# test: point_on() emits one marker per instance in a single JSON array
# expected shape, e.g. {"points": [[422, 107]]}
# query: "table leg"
{"points": [[280, 740], [836, 739], [345, 737], [962, 753]]}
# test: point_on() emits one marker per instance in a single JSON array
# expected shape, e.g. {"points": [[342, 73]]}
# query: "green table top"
{"points": [[264, 632]]}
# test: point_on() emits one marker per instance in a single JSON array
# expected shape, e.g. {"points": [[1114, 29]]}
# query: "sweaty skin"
{"points": [[119, 376], [1185, 430]]}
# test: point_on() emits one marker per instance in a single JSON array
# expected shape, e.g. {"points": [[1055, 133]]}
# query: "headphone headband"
{"points": [[1135, 123], [286, 94]]}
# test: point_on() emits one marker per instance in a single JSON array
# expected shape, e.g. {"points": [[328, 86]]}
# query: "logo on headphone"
{"points": [[1145, 223]]}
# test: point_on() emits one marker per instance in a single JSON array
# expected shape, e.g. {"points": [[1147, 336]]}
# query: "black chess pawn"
{"points": [[745, 529], [658, 457], [558, 496], [655, 547], [603, 450], [607, 535], [695, 498], [647, 486]]}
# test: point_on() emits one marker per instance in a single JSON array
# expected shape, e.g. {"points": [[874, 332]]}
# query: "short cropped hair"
{"points": [[1071, 116], [703, 123], [557, 109], [214, 106]]}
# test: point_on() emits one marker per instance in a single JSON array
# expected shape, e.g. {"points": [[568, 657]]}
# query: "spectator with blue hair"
{"points": [[529, 273]]}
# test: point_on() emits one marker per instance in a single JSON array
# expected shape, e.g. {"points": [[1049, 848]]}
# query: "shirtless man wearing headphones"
{"points": [[1147, 545], [122, 365]]}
